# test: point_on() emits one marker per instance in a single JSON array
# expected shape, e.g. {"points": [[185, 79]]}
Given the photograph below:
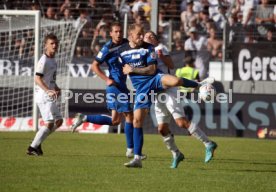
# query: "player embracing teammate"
{"points": [[140, 63]]}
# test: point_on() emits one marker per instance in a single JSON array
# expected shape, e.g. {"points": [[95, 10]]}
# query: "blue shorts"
{"points": [[118, 99], [143, 98]]}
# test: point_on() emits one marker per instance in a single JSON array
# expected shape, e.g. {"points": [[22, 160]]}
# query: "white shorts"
{"points": [[49, 111], [171, 108]]}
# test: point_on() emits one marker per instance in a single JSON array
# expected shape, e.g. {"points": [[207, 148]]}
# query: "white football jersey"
{"points": [[160, 64], [245, 8], [47, 67]]}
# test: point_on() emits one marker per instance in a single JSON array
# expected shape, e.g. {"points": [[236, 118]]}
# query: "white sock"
{"points": [[129, 150], [40, 136], [84, 118], [195, 131], [170, 143], [137, 157]]}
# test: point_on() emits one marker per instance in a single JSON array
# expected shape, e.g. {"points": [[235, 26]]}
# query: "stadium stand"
{"points": [[177, 16]]}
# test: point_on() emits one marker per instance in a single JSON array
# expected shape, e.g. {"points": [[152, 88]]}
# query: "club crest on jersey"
{"points": [[153, 55], [143, 51]]}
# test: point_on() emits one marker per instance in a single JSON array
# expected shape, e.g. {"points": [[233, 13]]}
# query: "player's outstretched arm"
{"points": [[167, 60], [149, 70]]}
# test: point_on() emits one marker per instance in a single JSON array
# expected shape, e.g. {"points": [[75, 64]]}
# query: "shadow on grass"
{"points": [[240, 170], [243, 161]]}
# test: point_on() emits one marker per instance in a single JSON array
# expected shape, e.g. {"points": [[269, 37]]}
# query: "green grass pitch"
{"points": [[89, 162]]}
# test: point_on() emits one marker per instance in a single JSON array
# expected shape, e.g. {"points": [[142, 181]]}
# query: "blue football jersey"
{"points": [[109, 55], [138, 58]]}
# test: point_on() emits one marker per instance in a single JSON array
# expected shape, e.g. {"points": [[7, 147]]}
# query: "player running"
{"points": [[116, 85]]}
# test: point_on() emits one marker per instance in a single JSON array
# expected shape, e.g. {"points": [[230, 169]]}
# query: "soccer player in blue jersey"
{"points": [[116, 84], [139, 59]]}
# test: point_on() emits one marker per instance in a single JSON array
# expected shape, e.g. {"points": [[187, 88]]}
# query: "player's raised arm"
{"points": [[161, 50], [166, 59]]}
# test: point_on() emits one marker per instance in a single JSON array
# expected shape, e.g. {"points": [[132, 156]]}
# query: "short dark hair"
{"points": [[189, 60], [50, 36], [154, 35], [117, 24]]}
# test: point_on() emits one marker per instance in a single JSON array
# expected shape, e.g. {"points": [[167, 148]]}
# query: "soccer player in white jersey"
{"points": [[46, 93], [165, 110]]}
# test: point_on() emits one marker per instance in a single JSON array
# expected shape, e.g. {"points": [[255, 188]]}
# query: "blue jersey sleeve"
{"points": [[101, 56], [151, 56]]}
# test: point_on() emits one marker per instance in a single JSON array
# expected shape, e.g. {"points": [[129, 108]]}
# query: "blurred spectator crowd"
{"points": [[197, 25]]}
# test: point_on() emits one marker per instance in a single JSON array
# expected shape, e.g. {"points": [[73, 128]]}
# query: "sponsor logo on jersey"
{"points": [[136, 64], [140, 51], [135, 56]]}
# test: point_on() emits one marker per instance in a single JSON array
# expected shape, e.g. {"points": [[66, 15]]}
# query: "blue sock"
{"points": [[138, 140], [99, 119], [189, 83], [129, 135]]}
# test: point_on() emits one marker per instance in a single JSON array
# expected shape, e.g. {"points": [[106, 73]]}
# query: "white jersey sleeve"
{"points": [[162, 48], [188, 45], [41, 65], [161, 65]]}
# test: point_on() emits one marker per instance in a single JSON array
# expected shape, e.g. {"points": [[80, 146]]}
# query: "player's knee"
{"points": [[116, 122], [50, 125], [129, 118], [59, 123], [137, 122], [163, 129], [183, 123], [160, 130], [178, 81]]}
